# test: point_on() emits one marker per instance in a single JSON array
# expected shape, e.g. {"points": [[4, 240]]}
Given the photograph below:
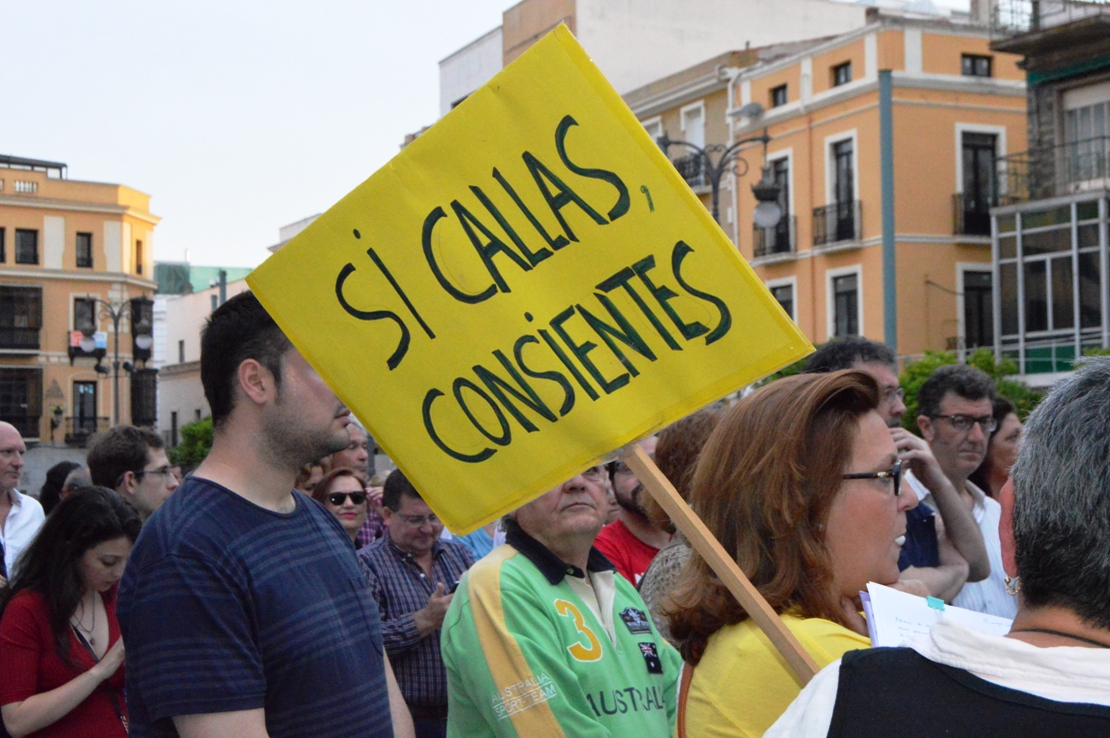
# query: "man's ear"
{"points": [[127, 484], [1006, 528], [925, 425], [256, 382]]}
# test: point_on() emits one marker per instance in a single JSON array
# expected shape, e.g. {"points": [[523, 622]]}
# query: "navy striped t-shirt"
{"points": [[227, 606]]}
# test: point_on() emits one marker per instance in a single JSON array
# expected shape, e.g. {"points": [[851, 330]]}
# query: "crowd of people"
{"points": [[282, 588]]}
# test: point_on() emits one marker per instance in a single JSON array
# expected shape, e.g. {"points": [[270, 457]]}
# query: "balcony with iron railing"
{"points": [[782, 239], [837, 223], [17, 338], [971, 214], [692, 169], [1054, 171], [1010, 18], [80, 429]]}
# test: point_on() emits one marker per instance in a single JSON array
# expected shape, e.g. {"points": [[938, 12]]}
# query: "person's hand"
{"points": [[851, 607], [430, 617], [111, 662], [374, 497], [912, 586], [915, 452]]}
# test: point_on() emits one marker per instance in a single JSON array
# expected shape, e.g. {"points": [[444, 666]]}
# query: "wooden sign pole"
{"points": [[718, 559]]}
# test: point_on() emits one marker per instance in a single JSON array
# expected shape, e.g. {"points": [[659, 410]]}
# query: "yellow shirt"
{"points": [[743, 685]]}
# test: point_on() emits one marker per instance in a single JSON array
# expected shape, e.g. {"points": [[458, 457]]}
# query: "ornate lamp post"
{"points": [[718, 159], [115, 311]]}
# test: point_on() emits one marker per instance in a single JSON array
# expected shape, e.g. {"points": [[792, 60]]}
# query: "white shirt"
{"points": [[989, 595], [23, 523], [1062, 673]]}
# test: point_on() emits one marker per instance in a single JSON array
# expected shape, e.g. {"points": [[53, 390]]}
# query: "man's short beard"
{"points": [[290, 445], [632, 502]]}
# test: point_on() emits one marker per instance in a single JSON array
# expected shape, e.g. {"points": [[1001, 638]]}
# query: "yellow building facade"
{"points": [[955, 107], [69, 251]]}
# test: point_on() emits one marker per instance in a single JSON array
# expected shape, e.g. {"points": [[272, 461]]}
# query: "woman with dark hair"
{"points": [[676, 455], [59, 641], [51, 493], [800, 482], [1002, 448], [343, 492]]}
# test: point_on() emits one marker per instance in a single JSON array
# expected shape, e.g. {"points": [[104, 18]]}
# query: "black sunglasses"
{"points": [[895, 473], [337, 498]]}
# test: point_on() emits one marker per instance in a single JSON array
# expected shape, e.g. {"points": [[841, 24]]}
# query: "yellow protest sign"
{"points": [[526, 287]]}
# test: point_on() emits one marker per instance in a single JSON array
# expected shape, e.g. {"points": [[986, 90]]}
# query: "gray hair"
{"points": [[1062, 497]]}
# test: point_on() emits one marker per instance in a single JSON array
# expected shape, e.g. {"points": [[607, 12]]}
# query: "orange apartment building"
{"points": [[68, 249], [954, 107]]}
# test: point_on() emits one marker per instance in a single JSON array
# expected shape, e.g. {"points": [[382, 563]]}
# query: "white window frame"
{"points": [[999, 149], [830, 164], [830, 298], [962, 268], [792, 283], [788, 154], [700, 106], [650, 123]]}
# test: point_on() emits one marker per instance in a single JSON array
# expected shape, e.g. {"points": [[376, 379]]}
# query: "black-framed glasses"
{"points": [[165, 472], [338, 498], [963, 423], [895, 473]]}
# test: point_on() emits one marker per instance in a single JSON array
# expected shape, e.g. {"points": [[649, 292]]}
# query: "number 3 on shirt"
{"points": [[592, 652]]}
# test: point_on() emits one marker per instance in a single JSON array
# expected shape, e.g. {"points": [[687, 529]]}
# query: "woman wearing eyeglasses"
{"points": [[343, 492], [800, 482]]}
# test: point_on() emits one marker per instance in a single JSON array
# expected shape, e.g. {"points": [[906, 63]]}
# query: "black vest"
{"points": [[898, 693]]}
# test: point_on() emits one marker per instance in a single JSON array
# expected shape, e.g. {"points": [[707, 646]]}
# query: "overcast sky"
{"points": [[237, 116]]}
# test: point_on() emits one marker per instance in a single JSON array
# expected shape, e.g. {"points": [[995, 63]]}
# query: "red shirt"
{"points": [[628, 553], [31, 665]]}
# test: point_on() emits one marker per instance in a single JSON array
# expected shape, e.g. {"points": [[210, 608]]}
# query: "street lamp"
{"points": [[115, 311], [767, 212]]}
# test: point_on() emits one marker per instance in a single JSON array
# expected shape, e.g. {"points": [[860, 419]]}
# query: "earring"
{"points": [[1013, 586]]}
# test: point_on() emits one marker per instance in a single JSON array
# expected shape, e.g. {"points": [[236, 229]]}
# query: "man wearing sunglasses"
{"points": [[942, 557], [133, 462], [412, 575], [955, 417]]}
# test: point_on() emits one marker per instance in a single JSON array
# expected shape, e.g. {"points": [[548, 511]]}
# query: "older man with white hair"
{"points": [[20, 515], [544, 638]]}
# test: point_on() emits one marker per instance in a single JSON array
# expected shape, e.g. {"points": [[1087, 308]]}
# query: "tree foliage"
{"points": [[196, 442]]}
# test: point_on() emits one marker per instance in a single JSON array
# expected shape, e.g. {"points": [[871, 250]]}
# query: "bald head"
{"points": [[12, 449]]}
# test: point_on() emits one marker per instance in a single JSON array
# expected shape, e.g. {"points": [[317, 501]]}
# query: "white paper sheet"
{"points": [[895, 617]]}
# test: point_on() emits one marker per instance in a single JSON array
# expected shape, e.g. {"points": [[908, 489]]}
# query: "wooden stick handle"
{"points": [[718, 559]]}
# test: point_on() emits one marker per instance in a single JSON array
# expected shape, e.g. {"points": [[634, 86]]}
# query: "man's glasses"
{"points": [[963, 423], [338, 498], [418, 521], [892, 393], [165, 472], [895, 473]]}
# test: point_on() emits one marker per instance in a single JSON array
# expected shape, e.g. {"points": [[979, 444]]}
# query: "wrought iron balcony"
{"points": [[80, 428], [837, 222], [781, 239], [1054, 171], [19, 338], [971, 214], [692, 169]]}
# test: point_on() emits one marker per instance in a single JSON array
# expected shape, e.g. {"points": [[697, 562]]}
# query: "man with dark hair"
{"points": [[545, 638], [942, 562], [632, 540], [133, 462], [955, 407], [412, 575], [243, 606]]}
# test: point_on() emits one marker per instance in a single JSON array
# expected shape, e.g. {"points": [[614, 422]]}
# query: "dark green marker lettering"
{"points": [[533, 257], [482, 455], [621, 206], [621, 279], [663, 295], [491, 248], [525, 394], [462, 383], [582, 352], [402, 345], [681, 251], [556, 243], [426, 238], [568, 390], [564, 197]]}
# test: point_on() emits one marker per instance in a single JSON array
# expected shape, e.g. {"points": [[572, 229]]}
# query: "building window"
{"points": [[173, 429], [84, 250], [3, 252], [21, 399], [20, 317], [138, 257], [978, 181], [784, 295], [26, 246], [25, 187], [842, 74], [778, 96], [845, 305], [181, 352], [84, 315], [973, 65], [978, 310]]}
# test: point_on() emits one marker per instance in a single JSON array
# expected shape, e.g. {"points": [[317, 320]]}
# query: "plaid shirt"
{"points": [[371, 530], [400, 587]]}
